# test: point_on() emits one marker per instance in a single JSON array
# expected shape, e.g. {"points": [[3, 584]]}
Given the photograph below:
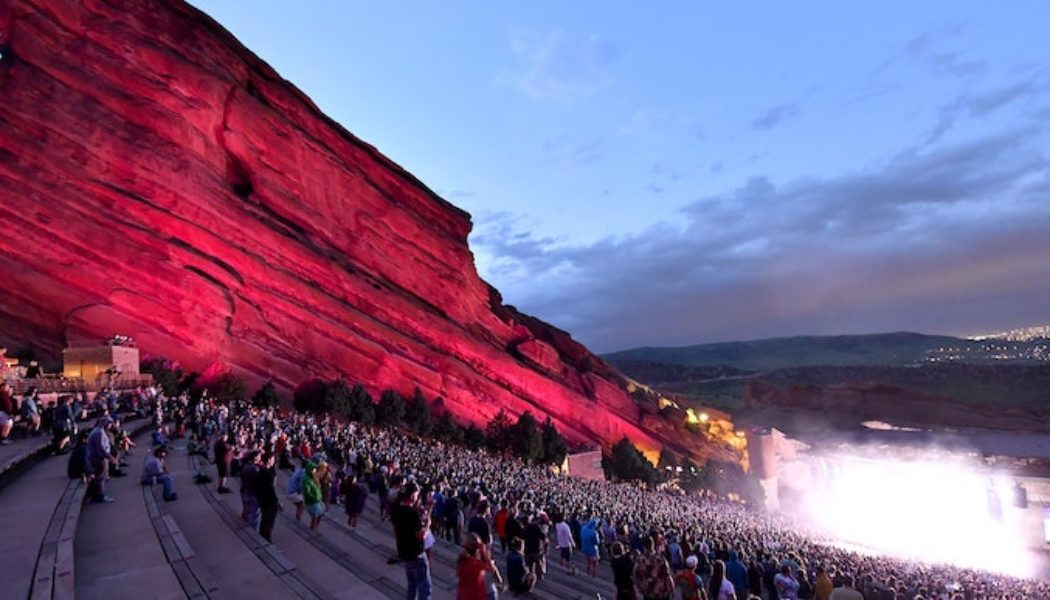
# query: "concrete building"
{"points": [[92, 361]]}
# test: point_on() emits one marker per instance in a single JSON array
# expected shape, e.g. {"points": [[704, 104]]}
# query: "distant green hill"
{"points": [[886, 349]]}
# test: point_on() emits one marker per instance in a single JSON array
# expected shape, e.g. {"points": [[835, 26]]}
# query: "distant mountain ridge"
{"points": [[991, 372], [900, 349]]}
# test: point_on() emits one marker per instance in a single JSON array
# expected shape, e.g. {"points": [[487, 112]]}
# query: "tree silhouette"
{"points": [[554, 448], [526, 440], [497, 432], [418, 419], [391, 409], [266, 396], [627, 463]]}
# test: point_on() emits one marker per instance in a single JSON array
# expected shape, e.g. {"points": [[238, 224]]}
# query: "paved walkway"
{"points": [[27, 504], [118, 554]]}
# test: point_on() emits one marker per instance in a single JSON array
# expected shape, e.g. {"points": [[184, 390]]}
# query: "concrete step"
{"points": [[314, 549], [118, 553], [558, 581], [376, 537], [222, 561]]}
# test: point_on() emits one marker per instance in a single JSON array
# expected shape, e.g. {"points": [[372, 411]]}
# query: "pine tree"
{"points": [[311, 397], [166, 374], [447, 429], [391, 409], [417, 414], [497, 432], [362, 409], [473, 437], [266, 396], [228, 388], [554, 448], [666, 463], [526, 440], [627, 463], [337, 397]]}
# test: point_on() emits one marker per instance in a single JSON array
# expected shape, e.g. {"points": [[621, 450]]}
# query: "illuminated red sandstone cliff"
{"points": [[158, 180]]}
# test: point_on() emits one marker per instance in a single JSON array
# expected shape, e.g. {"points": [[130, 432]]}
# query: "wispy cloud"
{"points": [[979, 105], [923, 48], [558, 67], [776, 115], [567, 152]]}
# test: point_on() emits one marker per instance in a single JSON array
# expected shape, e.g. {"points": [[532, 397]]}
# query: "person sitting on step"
{"points": [[155, 471]]}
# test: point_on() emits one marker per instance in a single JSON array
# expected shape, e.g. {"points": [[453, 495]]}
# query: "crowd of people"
{"points": [[658, 544]]}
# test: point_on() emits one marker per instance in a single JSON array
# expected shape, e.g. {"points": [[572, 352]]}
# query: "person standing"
{"points": [[822, 585], [356, 495], [266, 496], [453, 517], [7, 413], [563, 538], [536, 546], [471, 565], [688, 582], [62, 425], [736, 573], [846, 591], [519, 579], [589, 544], [223, 451], [652, 574], [410, 529], [623, 572], [249, 503], [312, 497], [295, 490], [479, 524], [720, 588], [100, 457], [499, 523], [787, 586]]}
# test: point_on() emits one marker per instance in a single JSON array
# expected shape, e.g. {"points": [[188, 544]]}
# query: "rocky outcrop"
{"points": [[158, 180]]}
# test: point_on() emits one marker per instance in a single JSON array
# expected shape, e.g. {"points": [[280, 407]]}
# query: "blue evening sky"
{"points": [[682, 172]]}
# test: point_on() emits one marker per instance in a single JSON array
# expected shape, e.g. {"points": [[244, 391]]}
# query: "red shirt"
{"points": [[500, 521], [471, 573]]}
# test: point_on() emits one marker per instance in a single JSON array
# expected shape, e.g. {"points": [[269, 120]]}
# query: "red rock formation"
{"points": [[158, 180]]}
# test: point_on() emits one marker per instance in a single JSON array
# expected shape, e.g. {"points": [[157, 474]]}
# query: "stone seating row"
{"points": [[284, 569]]}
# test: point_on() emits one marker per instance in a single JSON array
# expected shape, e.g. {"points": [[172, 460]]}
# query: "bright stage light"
{"points": [[931, 511]]}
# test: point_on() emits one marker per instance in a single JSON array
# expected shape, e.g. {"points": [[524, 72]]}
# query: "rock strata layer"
{"points": [[159, 180]]}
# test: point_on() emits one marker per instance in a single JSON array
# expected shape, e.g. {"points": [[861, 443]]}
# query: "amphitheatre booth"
{"points": [[91, 361]]}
